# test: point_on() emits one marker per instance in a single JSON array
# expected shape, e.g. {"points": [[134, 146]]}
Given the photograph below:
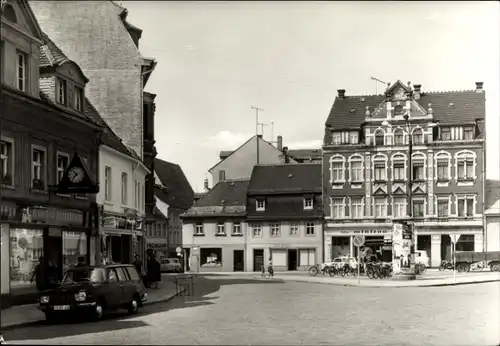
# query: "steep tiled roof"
{"points": [[177, 191], [226, 198], [285, 178], [305, 153]]}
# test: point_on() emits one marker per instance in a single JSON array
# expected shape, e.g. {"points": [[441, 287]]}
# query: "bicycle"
{"points": [[445, 265], [420, 268]]}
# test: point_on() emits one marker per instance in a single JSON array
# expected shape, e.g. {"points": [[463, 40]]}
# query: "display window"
{"points": [[26, 250]]}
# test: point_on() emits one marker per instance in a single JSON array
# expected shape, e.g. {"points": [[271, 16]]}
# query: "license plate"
{"points": [[61, 307]]}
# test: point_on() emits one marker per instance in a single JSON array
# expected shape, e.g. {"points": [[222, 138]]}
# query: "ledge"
{"points": [[198, 235], [220, 235]]}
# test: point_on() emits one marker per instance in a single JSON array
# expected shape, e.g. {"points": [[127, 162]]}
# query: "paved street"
{"points": [[243, 311]]}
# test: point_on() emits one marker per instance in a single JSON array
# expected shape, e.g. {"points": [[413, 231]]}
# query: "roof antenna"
{"points": [[376, 83]]}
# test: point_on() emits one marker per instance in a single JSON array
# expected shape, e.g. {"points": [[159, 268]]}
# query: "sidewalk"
{"points": [[28, 314]]}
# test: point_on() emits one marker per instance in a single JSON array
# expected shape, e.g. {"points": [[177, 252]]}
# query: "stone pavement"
{"points": [[28, 314]]}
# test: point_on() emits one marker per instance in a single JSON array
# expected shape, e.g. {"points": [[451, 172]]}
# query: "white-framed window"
{"points": [[275, 230], [310, 228], [466, 205], [107, 183], [294, 229], [445, 133], [399, 207], [357, 207], [61, 91], [354, 137], [337, 169], [418, 166], [38, 167], [257, 230], [78, 98], [221, 228], [124, 188], [380, 171], [237, 228], [7, 161], [418, 136], [398, 110], [468, 133], [398, 167], [399, 136], [418, 207], [21, 71], [136, 194], [379, 137], [336, 138], [198, 229], [380, 206], [443, 166], [465, 162], [338, 207], [443, 206], [356, 168], [308, 203], [62, 165], [261, 204]]}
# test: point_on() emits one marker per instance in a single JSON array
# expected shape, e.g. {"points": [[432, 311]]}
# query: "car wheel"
{"points": [[98, 311], [134, 305]]}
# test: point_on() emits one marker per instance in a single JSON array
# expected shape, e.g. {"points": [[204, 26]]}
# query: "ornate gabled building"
{"points": [[365, 165]]}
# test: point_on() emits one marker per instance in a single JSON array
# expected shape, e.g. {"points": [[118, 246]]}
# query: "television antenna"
{"points": [[376, 83]]}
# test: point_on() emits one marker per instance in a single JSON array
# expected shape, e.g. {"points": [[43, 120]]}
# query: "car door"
{"points": [[125, 286], [114, 291], [135, 280]]}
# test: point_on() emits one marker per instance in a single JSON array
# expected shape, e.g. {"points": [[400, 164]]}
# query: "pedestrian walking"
{"points": [[81, 262], [270, 269], [137, 264]]}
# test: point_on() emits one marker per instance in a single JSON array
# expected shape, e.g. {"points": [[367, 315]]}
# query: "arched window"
{"points": [[356, 169], [418, 136], [380, 167], [9, 13], [398, 110], [443, 166], [398, 167], [465, 162], [399, 136], [418, 166], [379, 137], [337, 169]]}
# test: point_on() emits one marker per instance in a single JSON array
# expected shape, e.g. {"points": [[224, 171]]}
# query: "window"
{"points": [[261, 205], [398, 110], [132, 272], [399, 207], [275, 230], [443, 207], [107, 183], [336, 138], [380, 171], [7, 163], [21, 71], [380, 207], [398, 171], [379, 138], [38, 169], [256, 230], [310, 228], [308, 203], [418, 208], [418, 137], [445, 133], [356, 170], [9, 13], [74, 245], [465, 206], [443, 170], [61, 91], [337, 169], [198, 229], [62, 165], [124, 187], [221, 228], [465, 166], [398, 137], [294, 229], [307, 257], [211, 257], [222, 175], [468, 133], [236, 228], [354, 138], [26, 248], [338, 208], [418, 172], [78, 98], [136, 194], [357, 208]]}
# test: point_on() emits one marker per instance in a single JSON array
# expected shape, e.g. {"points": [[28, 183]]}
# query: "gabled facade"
{"points": [[284, 213], [365, 169], [214, 230], [39, 138]]}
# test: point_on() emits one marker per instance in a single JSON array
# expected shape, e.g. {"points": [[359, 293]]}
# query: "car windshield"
{"points": [[84, 275]]}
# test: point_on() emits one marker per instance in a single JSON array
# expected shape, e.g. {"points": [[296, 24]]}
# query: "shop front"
{"points": [[121, 238], [158, 246], [44, 240]]}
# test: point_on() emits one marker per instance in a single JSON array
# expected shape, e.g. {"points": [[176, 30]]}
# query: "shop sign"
{"points": [[156, 245], [120, 222], [372, 231], [8, 211], [55, 216]]}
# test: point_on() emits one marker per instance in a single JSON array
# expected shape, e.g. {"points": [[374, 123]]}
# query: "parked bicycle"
{"points": [[445, 265], [318, 268], [420, 268]]}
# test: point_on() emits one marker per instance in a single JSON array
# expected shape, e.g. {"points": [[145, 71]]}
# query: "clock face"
{"points": [[76, 174]]}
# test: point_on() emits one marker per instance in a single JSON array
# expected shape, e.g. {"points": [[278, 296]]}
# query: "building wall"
{"points": [[174, 230], [93, 35], [492, 233]]}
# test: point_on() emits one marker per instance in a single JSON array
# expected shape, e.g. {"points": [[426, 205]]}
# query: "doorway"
{"points": [[292, 259], [238, 261], [258, 259], [53, 253]]}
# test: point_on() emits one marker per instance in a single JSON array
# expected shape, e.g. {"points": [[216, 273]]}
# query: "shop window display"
{"points": [[74, 246], [211, 258], [26, 247]]}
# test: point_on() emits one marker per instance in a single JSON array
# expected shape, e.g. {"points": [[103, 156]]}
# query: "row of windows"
{"points": [[221, 229], [260, 204], [39, 179], [275, 229], [139, 190], [354, 207], [465, 167]]}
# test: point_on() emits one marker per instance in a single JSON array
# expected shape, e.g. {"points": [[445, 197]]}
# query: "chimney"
{"points": [[279, 143], [285, 155], [205, 185], [416, 91], [341, 93], [479, 87]]}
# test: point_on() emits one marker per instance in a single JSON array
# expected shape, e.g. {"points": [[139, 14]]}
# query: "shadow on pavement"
{"points": [[203, 289]]}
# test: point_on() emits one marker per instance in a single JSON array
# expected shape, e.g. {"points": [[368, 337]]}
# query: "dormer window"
{"points": [[308, 203], [418, 137], [398, 110], [61, 91], [9, 13], [379, 138], [78, 98], [468, 133], [261, 205]]}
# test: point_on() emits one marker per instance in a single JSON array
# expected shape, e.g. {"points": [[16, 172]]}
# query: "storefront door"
{"points": [[53, 253]]}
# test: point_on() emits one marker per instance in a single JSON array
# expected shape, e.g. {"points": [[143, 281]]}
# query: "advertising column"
{"points": [[402, 245]]}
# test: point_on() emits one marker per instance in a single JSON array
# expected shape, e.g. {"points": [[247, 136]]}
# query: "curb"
{"points": [[34, 323]]}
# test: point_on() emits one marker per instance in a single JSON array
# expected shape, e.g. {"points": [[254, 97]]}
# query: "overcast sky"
{"points": [[217, 59]]}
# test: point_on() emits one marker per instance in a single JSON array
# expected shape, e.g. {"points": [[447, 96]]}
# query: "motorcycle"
{"points": [[445, 265]]}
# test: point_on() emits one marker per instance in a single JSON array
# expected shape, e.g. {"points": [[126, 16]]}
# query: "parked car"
{"points": [[93, 290], [342, 260], [170, 265], [422, 258]]}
